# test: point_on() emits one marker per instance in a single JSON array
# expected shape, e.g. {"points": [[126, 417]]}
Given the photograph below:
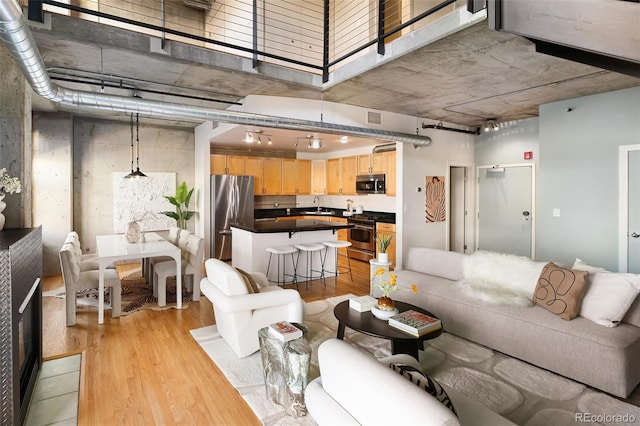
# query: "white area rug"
{"points": [[523, 393]]}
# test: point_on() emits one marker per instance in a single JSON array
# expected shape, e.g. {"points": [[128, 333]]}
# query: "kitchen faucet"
{"points": [[316, 199]]}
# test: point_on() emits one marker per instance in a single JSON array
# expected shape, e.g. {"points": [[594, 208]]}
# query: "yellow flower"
{"points": [[386, 281], [414, 288], [379, 271], [392, 279]]}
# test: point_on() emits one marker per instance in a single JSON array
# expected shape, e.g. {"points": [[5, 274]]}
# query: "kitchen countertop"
{"points": [[299, 211], [299, 225]]}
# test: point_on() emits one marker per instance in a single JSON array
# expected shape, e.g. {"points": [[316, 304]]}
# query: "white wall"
{"points": [[416, 165], [578, 173]]}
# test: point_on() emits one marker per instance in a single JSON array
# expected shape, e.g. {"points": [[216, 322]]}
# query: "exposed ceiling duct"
{"points": [[384, 147], [17, 37]]}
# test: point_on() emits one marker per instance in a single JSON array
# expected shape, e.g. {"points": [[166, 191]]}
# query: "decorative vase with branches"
{"points": [[181, 202]]}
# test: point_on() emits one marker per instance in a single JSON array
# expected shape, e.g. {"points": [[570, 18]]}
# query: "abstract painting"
{"points": [[435, 192]]}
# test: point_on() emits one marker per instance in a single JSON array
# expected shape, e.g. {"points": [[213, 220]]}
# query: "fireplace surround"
{"points": [[20, 320]]}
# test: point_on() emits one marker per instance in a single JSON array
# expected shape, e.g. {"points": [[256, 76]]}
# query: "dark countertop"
{"points": [[299, 225], [298, 211]]}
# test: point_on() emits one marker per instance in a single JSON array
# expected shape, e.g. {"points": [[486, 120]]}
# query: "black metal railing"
{"points": [[315, 35]]}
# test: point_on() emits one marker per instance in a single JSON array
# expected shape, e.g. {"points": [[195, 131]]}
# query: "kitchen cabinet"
{"points": [[318, 177], [255, 168], [296, 176], [227, 164], [341, 175], [369, 164], [267, 173], [390, 179], [386, 229]]}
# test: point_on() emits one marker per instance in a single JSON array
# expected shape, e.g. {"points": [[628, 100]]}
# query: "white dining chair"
{"points": [[192, 258]]}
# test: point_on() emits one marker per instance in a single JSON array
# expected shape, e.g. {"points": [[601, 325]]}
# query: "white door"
{"points": [[458, 209], [633, 231], [505, 209]]}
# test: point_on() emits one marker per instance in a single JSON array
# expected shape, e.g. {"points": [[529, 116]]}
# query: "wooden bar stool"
{"points": [[281, 273], [309, 250], [337, 245]]}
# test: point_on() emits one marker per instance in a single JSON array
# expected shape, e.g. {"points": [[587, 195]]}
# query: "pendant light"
{"points": [[137, 173]]}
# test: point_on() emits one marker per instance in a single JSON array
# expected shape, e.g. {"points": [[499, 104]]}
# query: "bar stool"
{"points": [[337, 245], [309, 250], [281, 256]]}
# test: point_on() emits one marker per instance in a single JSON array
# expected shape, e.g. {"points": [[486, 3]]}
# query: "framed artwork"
{"points": [[141, 200], [436, 209]]}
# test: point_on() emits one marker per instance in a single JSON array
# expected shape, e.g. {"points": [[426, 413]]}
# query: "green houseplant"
{"points": [[181, 201], [383, 242]]}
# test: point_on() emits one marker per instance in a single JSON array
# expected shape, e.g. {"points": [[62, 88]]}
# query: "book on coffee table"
{"points": [[415, 323], [362, 303], [285, 331]]}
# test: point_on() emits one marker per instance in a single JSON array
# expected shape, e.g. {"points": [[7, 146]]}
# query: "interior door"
{"points": [[633, 232], [458, 209], [505, 209]]}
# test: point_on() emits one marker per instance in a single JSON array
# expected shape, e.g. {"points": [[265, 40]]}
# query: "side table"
{"points": [[286, 369]]}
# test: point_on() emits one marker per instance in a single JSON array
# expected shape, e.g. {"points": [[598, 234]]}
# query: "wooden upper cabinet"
{"points": [[304, 176], [318, 176], [349, 170], [255, 168], [227, 164], [390, 179], [372, 163], [272, 176], [334, 183]]}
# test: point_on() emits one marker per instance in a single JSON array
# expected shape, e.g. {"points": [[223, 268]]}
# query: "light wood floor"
{"points": [[145, 369]]}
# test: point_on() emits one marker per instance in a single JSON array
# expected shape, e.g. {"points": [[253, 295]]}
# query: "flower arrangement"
{"points": [[8, 184], [386, 285], [383, 242]]}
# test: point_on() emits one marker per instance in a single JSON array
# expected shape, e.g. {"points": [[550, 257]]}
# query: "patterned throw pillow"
{"points": [[560, 290], [249, 281], [425, 382]]}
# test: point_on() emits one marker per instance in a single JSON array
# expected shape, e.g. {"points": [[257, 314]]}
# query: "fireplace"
{"points": [[20, 320]]}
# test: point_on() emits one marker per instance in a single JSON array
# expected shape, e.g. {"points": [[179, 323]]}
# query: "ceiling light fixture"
{"points": [[344, 139], [248, 138], [269, 140], [491, 124], [137, 173], [315, 143], [259, 139]]}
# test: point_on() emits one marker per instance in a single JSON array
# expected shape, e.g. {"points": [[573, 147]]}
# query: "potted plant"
{"points": [[383, 243], [181, 201]]}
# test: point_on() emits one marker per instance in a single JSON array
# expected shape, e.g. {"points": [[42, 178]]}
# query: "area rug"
{"points": [[136, 294], [525, 394]]}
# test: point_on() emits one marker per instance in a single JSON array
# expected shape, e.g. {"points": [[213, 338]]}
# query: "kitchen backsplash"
{"points": [[379, 203]]}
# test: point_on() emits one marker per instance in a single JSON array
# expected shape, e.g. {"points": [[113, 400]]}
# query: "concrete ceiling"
{"points": [[463, 79]]}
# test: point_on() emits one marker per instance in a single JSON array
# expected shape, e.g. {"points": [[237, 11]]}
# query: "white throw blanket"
{"points": [[501, 278]]}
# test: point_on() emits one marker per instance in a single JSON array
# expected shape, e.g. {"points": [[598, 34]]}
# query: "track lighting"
{"points": [[491, 124], [249, 138], [312, 142], [137, 173]]}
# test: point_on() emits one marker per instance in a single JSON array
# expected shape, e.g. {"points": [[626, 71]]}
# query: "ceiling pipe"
{"points": [[439, 126], [384, 147], [18, 39]]}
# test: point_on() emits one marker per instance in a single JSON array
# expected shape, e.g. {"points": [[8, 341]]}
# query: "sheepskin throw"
{"points": [[501, 278]]}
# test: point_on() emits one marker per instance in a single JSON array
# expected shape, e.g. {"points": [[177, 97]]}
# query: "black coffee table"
{"points": [[367, 323]]}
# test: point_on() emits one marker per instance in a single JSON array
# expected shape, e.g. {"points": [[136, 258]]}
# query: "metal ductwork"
{"points": [[384, 147], [17, 37]]}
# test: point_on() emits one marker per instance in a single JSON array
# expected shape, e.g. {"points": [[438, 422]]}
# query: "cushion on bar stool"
{"points": [[309, 247], [337, 244], [282, 250]]}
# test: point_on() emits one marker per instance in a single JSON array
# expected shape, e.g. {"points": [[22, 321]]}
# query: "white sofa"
{"points": [[602, 357], [354, 388]]}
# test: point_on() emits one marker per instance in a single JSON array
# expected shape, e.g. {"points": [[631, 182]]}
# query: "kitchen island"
{"points": [[249, 242]]}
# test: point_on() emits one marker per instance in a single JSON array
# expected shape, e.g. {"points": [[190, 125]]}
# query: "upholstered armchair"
{"points": [[239, 313]]}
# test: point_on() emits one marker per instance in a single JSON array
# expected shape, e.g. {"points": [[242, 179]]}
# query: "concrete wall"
{"points": [[578, 173], [97, 148]]}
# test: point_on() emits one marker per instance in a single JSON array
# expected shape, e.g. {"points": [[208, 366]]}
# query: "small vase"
{"points": [[385, 303], [383, 257], [3, 205], [133, 232]]}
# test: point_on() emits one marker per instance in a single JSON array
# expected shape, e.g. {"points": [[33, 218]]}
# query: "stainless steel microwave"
{"points": [[370, 184]]}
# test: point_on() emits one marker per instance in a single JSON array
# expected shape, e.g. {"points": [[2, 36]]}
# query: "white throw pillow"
{"points": [[609, 296], [581, 266]]}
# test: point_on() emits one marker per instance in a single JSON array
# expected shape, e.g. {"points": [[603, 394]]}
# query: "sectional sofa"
{"points": [[603, 357]]}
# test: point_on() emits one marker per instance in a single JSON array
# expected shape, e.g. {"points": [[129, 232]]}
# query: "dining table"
{"points": [[112, 248]]}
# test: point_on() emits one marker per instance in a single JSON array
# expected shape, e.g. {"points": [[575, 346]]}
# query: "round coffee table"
{"points": [[365, 322]]}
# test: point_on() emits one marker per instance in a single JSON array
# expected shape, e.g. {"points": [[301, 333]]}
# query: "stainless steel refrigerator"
{"points": [[231, 202]]}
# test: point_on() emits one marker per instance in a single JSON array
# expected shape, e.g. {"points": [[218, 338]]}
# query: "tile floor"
{"points": [[55, 398]]}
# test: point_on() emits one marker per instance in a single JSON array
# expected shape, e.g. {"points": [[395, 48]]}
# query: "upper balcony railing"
{"points": [[314, 35]]}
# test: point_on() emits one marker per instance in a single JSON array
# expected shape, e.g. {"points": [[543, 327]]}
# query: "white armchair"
{"points": [[240, 314]]}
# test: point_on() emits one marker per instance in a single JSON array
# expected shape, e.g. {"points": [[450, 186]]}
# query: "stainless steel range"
{"points": [[362, 237]]}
